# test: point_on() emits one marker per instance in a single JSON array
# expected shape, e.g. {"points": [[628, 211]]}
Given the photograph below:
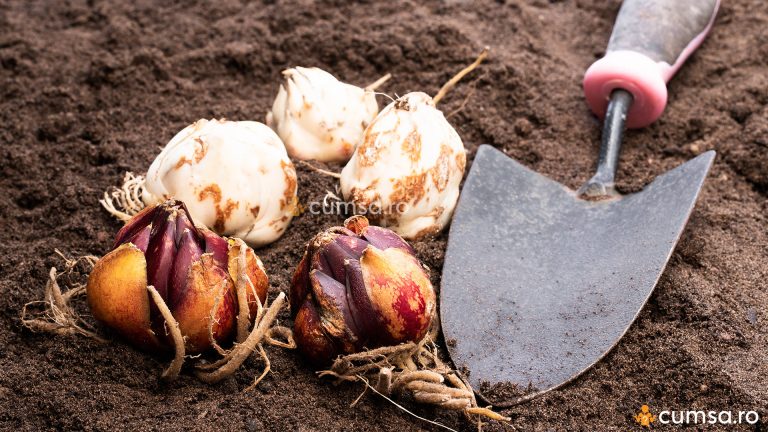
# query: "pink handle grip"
{"points": [[636, 72]]}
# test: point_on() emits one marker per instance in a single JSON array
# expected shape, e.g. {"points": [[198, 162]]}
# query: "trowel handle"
{"points": [[650, 41]]}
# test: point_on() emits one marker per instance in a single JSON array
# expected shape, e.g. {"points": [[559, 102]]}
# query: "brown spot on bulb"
{"points": [[441, 172], [408, 189], [223, 214], [461, 161], [368, 151], [365, 199], [289, 175], [201, 150], [213, 191], [182, 161], [402, 104], [411, 146]]}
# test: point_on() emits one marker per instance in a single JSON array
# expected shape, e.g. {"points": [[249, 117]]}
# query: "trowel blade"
{"points": [[538, 285]]}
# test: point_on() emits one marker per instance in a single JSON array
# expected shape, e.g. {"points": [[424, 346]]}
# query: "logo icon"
{"points": [[645, 417]]}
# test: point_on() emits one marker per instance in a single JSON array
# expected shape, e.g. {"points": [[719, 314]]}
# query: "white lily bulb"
{"points": [[234, 176], [319, 117], [405, 173]]}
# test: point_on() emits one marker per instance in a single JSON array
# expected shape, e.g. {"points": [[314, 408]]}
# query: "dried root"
{"points": [[462, 73], [125, 201], [470, 93], [414, 369], [280, 336], [225, 367], [174, 332], [320, 170], [267, 368], [242, 284], [58, 316], [376, 84]]}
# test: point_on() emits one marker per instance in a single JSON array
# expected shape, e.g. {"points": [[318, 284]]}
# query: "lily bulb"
{"points": [[192, 269], [234, 176], [405, 173], [359, 286], [319, 117]]}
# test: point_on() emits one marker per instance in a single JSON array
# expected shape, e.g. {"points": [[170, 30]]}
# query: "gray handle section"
{"points": [[661, 29]]}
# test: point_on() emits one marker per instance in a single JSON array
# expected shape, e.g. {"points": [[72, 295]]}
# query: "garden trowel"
{"points": [[541, 281]]}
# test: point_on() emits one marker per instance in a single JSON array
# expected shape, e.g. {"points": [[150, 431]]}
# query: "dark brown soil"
{"points": [[91, 89]]}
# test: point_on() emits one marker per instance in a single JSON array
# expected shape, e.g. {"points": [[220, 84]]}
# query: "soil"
{"points": [[91, 89]]}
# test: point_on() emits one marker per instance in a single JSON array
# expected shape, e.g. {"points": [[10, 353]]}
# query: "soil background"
{"points": [[91, 89]]}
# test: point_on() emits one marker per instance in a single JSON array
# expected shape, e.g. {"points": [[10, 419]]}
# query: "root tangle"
{"points": [[57, 315], [125, 201], [414, 369]]}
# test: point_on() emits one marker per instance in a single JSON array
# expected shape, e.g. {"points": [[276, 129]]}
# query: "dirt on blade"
{"points": [[91, 89]]}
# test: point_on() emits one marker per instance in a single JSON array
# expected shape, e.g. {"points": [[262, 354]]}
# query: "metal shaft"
{"points": [[602, 183]]}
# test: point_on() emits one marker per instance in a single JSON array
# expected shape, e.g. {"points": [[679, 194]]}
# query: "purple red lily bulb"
{"points": [[357, 287]]}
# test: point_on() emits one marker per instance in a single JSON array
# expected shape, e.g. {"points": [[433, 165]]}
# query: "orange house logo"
{"points": [[645, 417]]}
